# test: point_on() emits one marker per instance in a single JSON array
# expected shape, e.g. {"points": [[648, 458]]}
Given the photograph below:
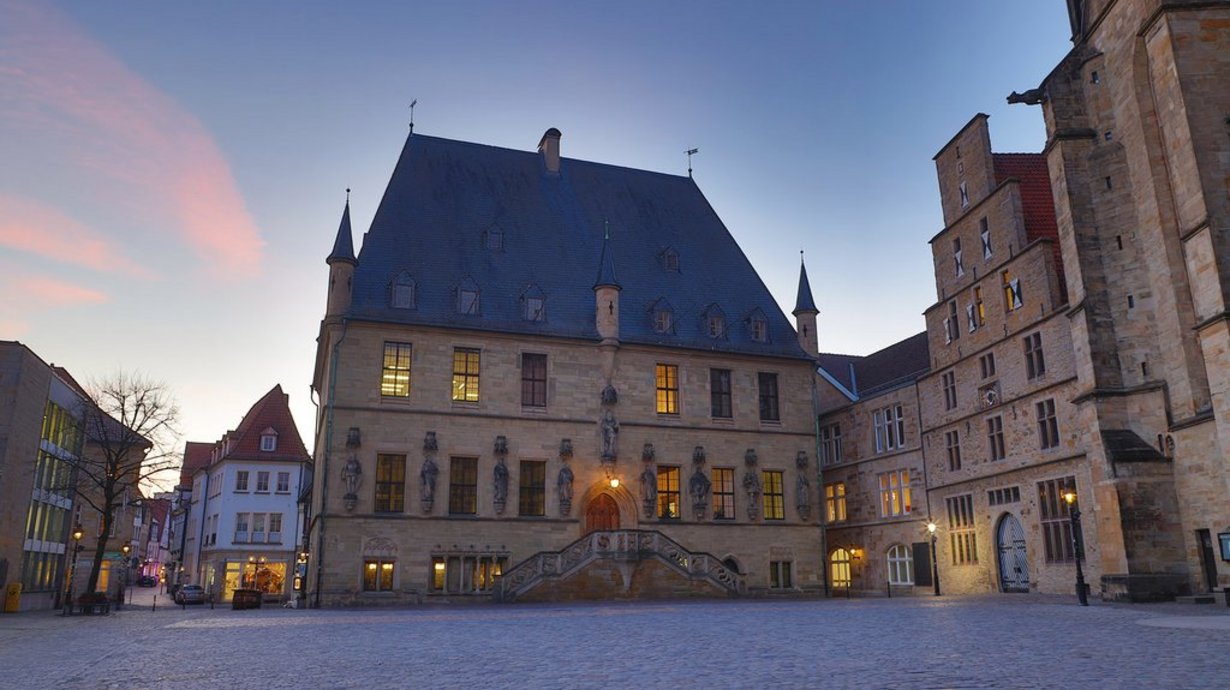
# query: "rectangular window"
{"points": [[465, 374], [952, 441], [780, 575], [258, 527], [463, 486], [719, 393], [275, 528], [949, 379], [533, 484], [980, 310], [957, 264], [390, 484], [1056, 519], [283, 482], [723, 493], [1012, 292], [1048, 425], [533, 380], [768, 397], [984, 231], [999, 497], [986, 365], [895, 493], [774, 495], [666, 378], [995, 437], [889, 424], [830, 444], [395, 374], [241, 528], [961, 534], [835, 501], [262, 482], [377, 575], [465, 574], [241, 480], [953, 323], [668, 492], [1035, 363]]}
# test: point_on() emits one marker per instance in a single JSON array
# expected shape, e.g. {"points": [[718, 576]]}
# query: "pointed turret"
{"points": [[606, 293], [341, 266], [805, 313]]}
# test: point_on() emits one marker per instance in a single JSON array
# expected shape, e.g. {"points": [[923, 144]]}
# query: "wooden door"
{"points": [[1013, 560], [602, 514]]}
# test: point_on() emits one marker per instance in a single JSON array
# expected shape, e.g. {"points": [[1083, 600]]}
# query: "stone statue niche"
{"points": [[563, 484], [352, 476], [609, 427], [649, 490], [751, 484], [802, 489], [427, 476]]}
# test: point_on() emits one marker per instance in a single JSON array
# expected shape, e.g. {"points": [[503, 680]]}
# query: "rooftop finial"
{"points": [[412, 104], [348, 195], [606, 229], [690, 152]]}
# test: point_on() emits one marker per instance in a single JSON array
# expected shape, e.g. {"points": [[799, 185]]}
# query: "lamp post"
{"points": [[77, 534], [127, 583], [1069, 497], [935, 564]]}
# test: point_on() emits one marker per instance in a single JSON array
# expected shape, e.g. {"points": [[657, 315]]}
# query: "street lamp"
{"points": [[77, 534], [1069, 497], [935, 564], [125, 549]]}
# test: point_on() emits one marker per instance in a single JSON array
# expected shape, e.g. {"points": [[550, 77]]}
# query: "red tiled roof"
{"points": [[196, 456], [270, 412], [1037, 202]]}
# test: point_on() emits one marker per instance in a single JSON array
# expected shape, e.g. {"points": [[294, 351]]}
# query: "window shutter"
{"points": [[1015, 286], [947, 331], [922, 563], [969, 315]]}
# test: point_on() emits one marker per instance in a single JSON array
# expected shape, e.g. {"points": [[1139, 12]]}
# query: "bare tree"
{"points": [[130, 436]]}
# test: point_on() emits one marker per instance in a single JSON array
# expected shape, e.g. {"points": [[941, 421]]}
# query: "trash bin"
{"points": [[12, 598], [245, 599]]}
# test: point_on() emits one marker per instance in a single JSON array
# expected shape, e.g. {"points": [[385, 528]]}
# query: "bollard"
{"points": [[155, 606]]}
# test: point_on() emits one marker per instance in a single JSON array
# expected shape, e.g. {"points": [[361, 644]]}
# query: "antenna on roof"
{"points": [[412, 104], [690, 152]]}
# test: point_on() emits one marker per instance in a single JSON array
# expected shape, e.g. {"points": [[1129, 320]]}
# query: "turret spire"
{"points": [[343, 246], [804, 302], [606, 263]]}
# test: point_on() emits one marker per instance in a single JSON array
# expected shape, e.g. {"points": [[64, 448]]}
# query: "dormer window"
{"points": [[401, 293], [715, 322], [467, 298], [663, 317], [758, 327], [269, 440], [493, 239], [533, 304], [670, 259]]}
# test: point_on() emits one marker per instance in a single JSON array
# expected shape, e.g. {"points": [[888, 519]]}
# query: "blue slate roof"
{"points": [[804, 301], [462, 216], [343, 247]]}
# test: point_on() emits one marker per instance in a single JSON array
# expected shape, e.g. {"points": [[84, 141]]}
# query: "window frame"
{"points": [[463, 485], [952, 446], [666, 383], [773, 496], [781, 575], [668, 492], [1048, 424], [835, 502], [949, 382], [375, 573], [896, 497], [830, 444], [962, 529], [467, 372], [389, 484], [1035, 361], [532, 488], [770, 410], [723, 480], [242, 481], [721, 394], [395, 379], [1055, 519], [533, 387], [899, 558], [995, 438]]}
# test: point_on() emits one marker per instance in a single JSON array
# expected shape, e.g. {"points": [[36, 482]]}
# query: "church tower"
{"points": [[805, 313]]}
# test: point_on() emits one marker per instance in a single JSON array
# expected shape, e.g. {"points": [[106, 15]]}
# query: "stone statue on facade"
{"points": [[500, 475], [563, 487], [649, 490], [699, 487], [427, 488], [802, 488], [352, 473], [610, 436], [751, 484]]}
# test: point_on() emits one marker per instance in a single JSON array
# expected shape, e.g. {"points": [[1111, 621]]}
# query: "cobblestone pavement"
{"points": [[1009, 641]]}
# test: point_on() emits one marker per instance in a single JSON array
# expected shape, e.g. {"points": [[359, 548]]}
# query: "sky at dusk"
{"points": [[173, 173]]}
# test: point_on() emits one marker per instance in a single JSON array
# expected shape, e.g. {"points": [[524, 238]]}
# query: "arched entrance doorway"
{"points": [[602, 514], [1013, 564]]}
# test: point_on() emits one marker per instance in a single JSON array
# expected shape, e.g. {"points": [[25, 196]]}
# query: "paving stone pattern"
{"points": [[950, 642]]}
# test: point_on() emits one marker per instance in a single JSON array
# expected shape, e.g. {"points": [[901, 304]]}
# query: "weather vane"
{"points": [[690, 152], [412, 104]]}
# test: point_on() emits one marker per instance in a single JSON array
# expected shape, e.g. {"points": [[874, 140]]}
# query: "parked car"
{"points": [[147, 581], [190, 594]]}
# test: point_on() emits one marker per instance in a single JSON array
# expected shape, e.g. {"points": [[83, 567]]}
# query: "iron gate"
{"points": [[1013, 564]]}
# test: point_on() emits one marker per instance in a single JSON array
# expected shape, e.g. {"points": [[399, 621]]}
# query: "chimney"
{"points": [[548, 146]]}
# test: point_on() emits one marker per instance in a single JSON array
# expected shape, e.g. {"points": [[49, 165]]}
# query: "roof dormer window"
{"points": [[401, 292], [663, 317], [467, 298], [670, 259], [715, 322], [533, 304], [758, 327], [269, 440], [493, 239]]}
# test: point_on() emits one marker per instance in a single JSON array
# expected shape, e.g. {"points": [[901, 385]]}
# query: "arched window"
{"points": [[840, 568], [900, 565]]}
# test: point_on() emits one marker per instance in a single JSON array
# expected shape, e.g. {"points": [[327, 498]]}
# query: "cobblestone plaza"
{"points": [[949, 642]]}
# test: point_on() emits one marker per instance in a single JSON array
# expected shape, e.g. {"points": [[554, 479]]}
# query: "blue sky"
{"points": [[174, 172]]}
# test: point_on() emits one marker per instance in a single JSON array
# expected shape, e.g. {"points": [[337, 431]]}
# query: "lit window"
{"points": [[377, 575], [780, 575], [774, 497], [961, 533], [895, 494], [668, 492], [835, 501], [465, 374], [390, 484], [839, 568], [1012, 292], [395, 372], [667, 383], [466, 573]]}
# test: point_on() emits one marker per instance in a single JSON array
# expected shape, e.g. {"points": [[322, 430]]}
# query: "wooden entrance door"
{"points": [[1013, 561], [602, 514]]}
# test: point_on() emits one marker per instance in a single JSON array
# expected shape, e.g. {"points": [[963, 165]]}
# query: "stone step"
{"points": [[1196, 599]]}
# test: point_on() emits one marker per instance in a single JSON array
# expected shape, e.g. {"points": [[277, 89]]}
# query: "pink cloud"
{"points": [[32, 227], [130, 140]]}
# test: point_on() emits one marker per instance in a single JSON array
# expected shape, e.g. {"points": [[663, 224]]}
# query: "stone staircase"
{"points": [[627, 551]]}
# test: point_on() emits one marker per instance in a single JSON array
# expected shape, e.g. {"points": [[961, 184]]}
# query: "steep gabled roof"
{"points": [[443, 194], [270, 412], [196, 457]]}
